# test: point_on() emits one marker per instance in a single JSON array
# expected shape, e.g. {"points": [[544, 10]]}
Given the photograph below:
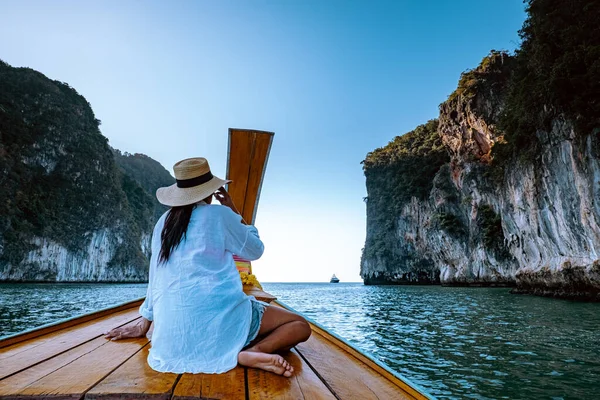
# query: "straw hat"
{"points": [[195, 182]]}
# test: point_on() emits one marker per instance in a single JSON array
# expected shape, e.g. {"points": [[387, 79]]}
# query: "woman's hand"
{"points": [[130, 331], [226, 200]]}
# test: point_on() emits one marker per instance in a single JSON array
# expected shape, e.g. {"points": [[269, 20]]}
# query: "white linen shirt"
{"points": [[201, 315]]}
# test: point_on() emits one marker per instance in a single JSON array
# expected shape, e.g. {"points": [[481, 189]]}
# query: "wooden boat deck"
{"points": [[72, 360]]}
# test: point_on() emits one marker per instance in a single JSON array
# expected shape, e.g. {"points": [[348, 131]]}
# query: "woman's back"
{"points": [[195, 298], [202, 319]]}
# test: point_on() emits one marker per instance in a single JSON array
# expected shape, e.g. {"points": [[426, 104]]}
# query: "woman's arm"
{"points": [[241, 239], [139, 329], [146, 309]]}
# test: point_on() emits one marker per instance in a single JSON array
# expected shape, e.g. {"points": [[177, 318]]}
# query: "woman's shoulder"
{"points": [[216, 210], [221, 213]]}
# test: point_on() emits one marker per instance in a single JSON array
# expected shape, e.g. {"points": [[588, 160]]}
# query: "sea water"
{"points": [[479, 343]]}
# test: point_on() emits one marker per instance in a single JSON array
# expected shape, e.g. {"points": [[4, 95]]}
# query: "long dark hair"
{"points": [[174, 230]]}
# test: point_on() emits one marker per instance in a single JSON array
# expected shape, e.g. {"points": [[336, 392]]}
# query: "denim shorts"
{"points": [[258, 309]]}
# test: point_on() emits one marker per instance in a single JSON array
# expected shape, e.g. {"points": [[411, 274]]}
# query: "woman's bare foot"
{"points": [[268, 362]]}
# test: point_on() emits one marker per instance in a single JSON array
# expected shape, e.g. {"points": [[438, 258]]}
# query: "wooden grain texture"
{"points": [[229, 385], [188, 387], [258, 164], [25, 354], [331, 340], [304, 384], [367, 361], [17, 382], [267, 385], [311, 385], [349, 377], [241, 143], [135, 379], [74, 379], [27, 336]]}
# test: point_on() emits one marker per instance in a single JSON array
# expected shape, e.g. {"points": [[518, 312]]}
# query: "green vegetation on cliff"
{"points": [[450, 224], [490, 225], [56, 170], [148, 175], [408, 163], [491, 75], [395, 173], [140, 177], [59, 177], [556, 74], [504, 105]]}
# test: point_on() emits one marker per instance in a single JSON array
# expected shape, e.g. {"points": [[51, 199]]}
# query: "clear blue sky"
{"points": [[333, 79]]}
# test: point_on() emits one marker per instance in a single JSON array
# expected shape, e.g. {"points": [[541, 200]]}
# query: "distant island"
{"points": [[503, 188], [73, 208]]}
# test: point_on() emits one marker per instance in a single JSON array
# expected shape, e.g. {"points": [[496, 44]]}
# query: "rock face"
{"points": [[398, 210], [533, 224], [73, 209], [51, 261], [551, 215]]}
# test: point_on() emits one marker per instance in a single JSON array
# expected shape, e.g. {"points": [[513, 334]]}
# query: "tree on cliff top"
{"points": [[406, 165], [557, 71], [60, 180], [403, 168]]}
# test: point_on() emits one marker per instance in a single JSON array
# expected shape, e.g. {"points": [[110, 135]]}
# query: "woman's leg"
{"points": [[281, 329]]}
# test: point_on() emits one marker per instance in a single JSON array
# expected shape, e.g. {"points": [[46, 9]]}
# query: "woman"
{"points": [[203, 322]]}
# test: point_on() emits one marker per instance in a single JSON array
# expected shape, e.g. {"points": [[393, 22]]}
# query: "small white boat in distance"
{"points": [[334, 279]]}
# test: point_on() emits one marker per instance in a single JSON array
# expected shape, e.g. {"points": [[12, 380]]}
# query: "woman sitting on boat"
{"points": [[203, 322]]}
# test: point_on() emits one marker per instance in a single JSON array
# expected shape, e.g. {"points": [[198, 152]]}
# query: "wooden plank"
{"points": [[44, 330], [188, 387], [79, 376], [304, 384], [258, 164], [347, 376], [229, 385], [311, 385], [331, 340], [14, 349], [135, 379], [26, 354], [367, 361], [267, 385], [241, 143], [17, 382]]}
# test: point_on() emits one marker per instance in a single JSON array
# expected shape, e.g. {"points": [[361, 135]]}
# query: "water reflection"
{"points": [[457, 342], [26, 306], [464, 342]]}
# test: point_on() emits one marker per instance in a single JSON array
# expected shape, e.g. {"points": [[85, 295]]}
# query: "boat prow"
{"points": [[72, 359]]}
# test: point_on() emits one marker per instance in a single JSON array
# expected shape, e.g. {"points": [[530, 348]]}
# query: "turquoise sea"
{"points": [[475, 343]]}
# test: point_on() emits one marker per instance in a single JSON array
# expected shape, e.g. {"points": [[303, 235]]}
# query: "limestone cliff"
{"points": [[73, 209], [530, 220], [504, 187]]}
